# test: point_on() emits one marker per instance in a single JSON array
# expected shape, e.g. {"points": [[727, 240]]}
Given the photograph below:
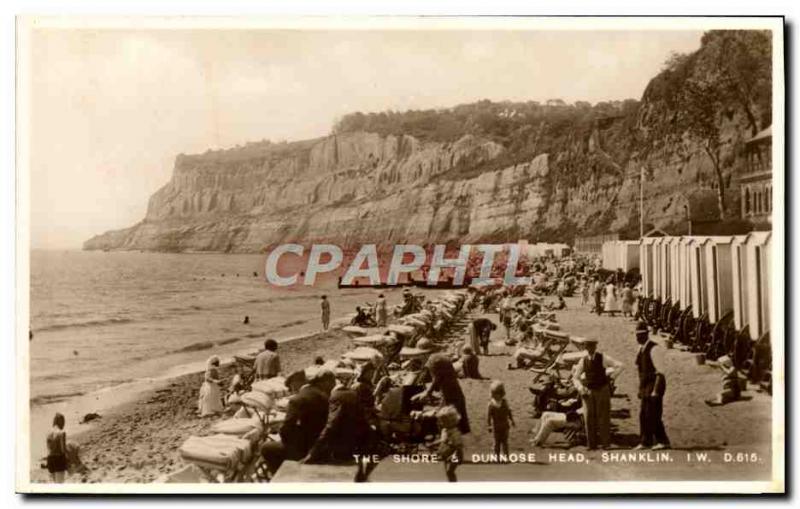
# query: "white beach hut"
{"points": [[719, 276]]}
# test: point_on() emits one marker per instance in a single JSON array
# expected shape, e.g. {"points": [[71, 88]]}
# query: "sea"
{"points": [[100, 319]]}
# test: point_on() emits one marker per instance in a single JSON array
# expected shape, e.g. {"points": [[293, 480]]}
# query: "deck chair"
{"points": [[246, 364], [220, 457], [554, 343], [262, 420]]}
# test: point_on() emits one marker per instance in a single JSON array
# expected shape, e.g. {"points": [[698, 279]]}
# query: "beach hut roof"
{"points": [[757, 237], [719, 239], [656, 232], [765, 134]]}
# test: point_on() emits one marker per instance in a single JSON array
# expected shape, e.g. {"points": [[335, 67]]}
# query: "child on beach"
{"points": [[236, 387], [731, 386], [467, 366], [57, 450], [451, 443], [499, 417]]}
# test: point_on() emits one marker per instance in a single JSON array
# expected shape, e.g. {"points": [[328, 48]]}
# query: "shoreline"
{"points": [[175, 395], [112, 399], [98, 400], [118, 401]]}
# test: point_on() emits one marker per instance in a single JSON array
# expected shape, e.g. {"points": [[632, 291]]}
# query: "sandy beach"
{"points": [[138, 441], [302, 336]]}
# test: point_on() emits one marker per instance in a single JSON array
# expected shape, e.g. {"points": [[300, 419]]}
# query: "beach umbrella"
{"points": [[402, 330], [423, 347], [257, 399], [273, 387], [363, 354], [374, 340]]}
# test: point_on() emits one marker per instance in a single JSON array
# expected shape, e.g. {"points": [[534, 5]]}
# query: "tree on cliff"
{"points": [[700, 117], [741, 70], [734, 71]]}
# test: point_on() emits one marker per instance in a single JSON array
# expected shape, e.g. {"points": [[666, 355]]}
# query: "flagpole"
{"points": [[641, 202]]}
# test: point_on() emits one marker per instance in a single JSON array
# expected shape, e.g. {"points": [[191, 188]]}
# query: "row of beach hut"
{"points": [[712, 292]]}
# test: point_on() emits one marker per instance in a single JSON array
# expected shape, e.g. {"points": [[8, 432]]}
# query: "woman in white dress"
{"points": [[210, 402], [611, 304]]}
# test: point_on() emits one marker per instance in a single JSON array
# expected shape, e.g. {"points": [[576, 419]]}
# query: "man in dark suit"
{"points": [[652, 386], [597, 290], [346, 432], [306, 416]]}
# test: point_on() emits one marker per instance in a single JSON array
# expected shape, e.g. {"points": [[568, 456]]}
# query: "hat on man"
{"points": [[584, 341], [425, 344], [641, 328]]}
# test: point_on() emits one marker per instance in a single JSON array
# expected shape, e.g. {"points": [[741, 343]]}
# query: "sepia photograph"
{"points": [[400, 255]]}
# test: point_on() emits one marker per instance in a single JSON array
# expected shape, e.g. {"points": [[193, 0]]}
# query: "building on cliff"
{"points": [[755, 182]]}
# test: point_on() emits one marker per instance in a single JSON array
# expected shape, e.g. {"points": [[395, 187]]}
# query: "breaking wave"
{"points": [[88, 323]]}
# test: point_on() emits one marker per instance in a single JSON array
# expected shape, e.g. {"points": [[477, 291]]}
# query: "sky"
{"points": [[110, 109]]}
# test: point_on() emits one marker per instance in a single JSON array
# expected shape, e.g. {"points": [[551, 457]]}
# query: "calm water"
{"points": [[100, 319]]}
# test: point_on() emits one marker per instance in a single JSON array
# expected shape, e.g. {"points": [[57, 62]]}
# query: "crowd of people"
{"points": [[330, 418], [610, 296], [332, 413]]}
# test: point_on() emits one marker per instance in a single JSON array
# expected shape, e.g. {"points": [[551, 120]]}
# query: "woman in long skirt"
{"points": [[627, 301], [611, 304], [210, 402]]}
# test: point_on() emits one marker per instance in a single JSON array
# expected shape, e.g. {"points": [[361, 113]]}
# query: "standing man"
{"points": [[306, 416], [346, 430], [326, 312], [381, 312], [652, 386], [593, 375], [268, 363], [598, 296]]}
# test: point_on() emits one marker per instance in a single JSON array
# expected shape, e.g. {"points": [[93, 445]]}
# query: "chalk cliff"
{"points": [[480, 172], [348, 189]]}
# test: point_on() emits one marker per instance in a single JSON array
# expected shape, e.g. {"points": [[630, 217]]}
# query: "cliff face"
{"points": [[361, 187], [346, 189], [575, 170]]}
